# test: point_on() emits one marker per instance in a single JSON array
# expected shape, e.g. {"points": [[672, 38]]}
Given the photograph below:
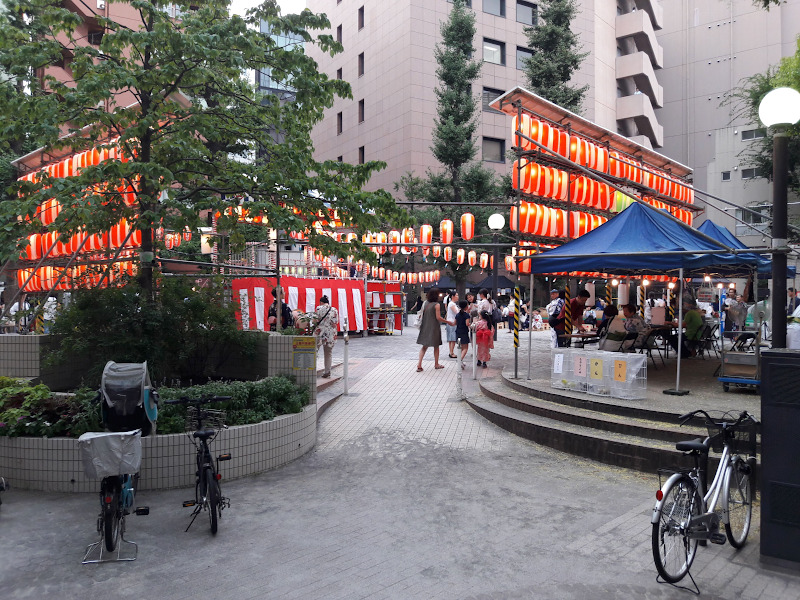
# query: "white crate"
{"points": [[560, 362], [629, 376], [600, 373]]}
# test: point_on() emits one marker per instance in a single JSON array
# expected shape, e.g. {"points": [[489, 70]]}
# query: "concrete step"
{"points": [[324, 384], [612, 448], [587, 416]]}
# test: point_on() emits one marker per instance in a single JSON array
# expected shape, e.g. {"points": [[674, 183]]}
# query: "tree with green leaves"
{"points": [[190, 136], [747, 98], [461, 180], [555, 55]]}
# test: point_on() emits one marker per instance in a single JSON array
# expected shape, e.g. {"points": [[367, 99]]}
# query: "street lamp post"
{"points": [[496, 223], [779, 108]]}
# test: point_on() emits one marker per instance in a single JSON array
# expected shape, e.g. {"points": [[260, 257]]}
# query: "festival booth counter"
{"points": [[385, 307], [254, 297]]}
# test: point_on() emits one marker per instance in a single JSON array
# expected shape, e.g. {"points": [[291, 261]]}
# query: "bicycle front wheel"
{"points": [[673, 550], [212, 496], [740, 502]]}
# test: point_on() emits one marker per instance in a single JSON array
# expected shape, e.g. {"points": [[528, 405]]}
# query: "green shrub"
{"points": [[27, 410], [186, 334]]}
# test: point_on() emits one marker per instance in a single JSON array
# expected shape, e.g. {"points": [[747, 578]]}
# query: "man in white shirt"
{"points": [[20, 306], [452, 311]]}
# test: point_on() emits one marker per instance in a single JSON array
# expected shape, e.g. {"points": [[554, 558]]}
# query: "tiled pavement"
{"points": [[408, 494]]}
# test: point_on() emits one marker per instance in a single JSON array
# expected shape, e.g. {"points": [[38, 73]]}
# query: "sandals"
{"points": [[452, 355], [439, 367], [419, 369]]}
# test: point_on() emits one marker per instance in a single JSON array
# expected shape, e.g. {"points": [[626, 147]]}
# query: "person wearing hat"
{"points": [[555, 318], [693, 329]]}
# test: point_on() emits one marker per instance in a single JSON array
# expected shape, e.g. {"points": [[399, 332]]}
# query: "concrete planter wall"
{"points": [[168, 461], [54, 464]]}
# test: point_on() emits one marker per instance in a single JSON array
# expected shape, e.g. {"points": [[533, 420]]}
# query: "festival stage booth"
{"points": [[723, 235], [254, 296], [384, 307]]}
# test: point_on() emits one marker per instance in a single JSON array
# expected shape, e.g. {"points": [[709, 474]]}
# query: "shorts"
{"points": [[464, 339], [450, 331]]}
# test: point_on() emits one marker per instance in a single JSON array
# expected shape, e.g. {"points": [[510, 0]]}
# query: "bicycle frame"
{"points": [[717, 491]]}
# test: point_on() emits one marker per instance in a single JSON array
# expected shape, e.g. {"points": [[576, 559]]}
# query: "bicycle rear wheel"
{"points": [[111, 521], [673, 550], [212, 496], [740, 503]]}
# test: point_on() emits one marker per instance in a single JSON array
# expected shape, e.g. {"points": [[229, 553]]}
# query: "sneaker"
{"points": [[463, 366]]}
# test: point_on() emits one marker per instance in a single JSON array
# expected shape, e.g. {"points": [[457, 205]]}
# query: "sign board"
{"points": [[596, 368], [558, 364], [304, 352], [620, 370], [579, 366]]}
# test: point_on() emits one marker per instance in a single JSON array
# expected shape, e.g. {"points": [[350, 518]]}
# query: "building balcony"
{"points": [[637, 25], [654, 9], [638, 67], [639, 108]]}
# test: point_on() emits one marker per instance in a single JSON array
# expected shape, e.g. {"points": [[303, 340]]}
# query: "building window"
{"points": [[361, 18], [526, 13], [726, 176], [494, 52], [495, 7], [753, 134], [361, 111], [750, 173], [494, 150], [339, 123], [95, 37], [339, 73], [360, 64], [489, 94], [523, 54], [361, 155], [339, 34], [754, 224]]}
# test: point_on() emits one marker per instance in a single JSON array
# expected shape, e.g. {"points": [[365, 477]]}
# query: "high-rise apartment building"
{"points": [[657, 70]]}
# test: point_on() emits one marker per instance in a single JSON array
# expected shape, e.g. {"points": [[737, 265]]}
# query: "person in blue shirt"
{"points": [[462, 328]]}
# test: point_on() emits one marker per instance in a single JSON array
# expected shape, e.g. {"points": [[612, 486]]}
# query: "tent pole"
{"points": [[530, 326], [678, 391]]}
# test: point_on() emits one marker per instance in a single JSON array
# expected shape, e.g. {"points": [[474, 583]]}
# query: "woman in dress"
{"points": [[326, 319], [430, 330]]}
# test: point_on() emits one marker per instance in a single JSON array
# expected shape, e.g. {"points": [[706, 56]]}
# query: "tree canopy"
{"points": [[555, 55], [461, 180], [195, 126]]}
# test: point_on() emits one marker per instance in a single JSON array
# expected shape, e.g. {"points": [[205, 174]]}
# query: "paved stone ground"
{"points": [[408, 494]]}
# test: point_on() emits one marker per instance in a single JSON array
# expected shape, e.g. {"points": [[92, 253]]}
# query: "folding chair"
{"points": [[647, 346]]}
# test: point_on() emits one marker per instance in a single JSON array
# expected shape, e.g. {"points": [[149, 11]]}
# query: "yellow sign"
{"points": [[304, 353], [596, 368], [620, 370]]}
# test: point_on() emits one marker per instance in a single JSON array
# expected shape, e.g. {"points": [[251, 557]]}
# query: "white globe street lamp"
{"points": [[779, 108], [496, 223]]}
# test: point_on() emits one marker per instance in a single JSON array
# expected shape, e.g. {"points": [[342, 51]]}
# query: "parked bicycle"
{"points": [[129, 408], [3, 487], [684, 514], [202, 427]]}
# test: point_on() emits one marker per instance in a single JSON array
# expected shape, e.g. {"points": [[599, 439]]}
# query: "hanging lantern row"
{"points": [[593, 156], [536, 219], [73, 165], [78, 276]]}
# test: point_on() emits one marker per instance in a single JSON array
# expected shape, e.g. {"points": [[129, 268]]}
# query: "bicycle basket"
{"points": [[212, 419], [741, 439]]}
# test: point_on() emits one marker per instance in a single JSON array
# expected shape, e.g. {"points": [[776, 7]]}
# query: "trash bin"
{"points": [[780, 449]]}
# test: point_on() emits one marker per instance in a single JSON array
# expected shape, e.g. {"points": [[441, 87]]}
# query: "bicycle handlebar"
{"points": [[742, 417], [206, 400]]}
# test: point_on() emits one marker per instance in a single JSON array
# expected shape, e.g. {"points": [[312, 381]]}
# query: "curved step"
{"points": [[586, 416], [612, 448]]}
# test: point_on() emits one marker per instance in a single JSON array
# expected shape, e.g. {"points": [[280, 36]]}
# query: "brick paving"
{"points": [[408, 494]]}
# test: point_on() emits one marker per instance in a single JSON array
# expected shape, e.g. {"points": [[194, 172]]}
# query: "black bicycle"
{"points": [[202, 427]]}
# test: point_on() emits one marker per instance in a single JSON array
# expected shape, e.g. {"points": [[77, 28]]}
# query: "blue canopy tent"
{"points": [[644, 240], [723, 234]]}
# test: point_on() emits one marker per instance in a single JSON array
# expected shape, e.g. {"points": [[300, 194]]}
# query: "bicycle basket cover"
{"points": [[109, 454]]}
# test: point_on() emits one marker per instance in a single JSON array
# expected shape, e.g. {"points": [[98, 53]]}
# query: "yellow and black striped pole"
{"points": [[640, 300], [608, 293], [670, 310], [567, 312], [39, 323], [516, 316]]}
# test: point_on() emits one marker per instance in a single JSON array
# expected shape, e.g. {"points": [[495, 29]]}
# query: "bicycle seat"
{"points": [[204, 434], [697, 445]]}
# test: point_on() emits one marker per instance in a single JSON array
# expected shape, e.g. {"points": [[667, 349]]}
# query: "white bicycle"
{"points": [[684, 515]]}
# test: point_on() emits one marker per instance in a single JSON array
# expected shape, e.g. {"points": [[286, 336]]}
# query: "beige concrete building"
{"points": [[657, 72]]}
